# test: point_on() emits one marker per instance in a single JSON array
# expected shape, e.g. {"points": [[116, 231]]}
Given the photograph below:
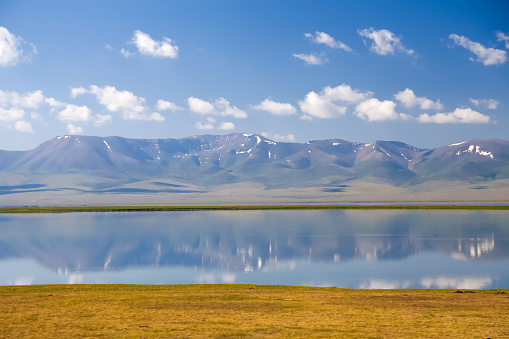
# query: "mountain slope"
{"points": [[211, 160]]}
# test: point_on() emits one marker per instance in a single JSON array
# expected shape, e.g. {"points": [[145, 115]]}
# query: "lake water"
{"points": [[343, 248]]}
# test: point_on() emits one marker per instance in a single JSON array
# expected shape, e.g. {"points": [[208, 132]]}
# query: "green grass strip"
{"points": [[74, 209]]}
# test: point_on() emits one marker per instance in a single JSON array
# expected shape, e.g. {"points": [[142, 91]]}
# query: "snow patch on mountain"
{"points": [[472, 149]]}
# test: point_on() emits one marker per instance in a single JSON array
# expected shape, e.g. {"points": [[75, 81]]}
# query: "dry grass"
{"points": [[137, 311]]}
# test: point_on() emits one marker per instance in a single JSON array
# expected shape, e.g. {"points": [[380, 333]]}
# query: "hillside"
{"points": [[205, 164]]}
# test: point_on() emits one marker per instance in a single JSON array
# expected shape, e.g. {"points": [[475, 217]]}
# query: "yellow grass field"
{"points": [[227, 311]]}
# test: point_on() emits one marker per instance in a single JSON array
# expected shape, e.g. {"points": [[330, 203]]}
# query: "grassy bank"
{"points": [[69, 209], [137, 311]]}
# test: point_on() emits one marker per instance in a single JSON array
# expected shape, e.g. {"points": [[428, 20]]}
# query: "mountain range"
{"points": [[200, 165]]}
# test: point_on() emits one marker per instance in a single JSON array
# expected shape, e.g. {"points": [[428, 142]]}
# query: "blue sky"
{"points": [[427, 73]]}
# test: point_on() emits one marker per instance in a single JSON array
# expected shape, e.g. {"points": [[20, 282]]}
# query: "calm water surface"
{"points": [[343, 248]]}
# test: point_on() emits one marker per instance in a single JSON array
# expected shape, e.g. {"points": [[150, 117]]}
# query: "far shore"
{"points": [[75, 209]]}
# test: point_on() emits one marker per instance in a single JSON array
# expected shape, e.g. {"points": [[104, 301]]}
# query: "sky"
{"points": [[428, 73]]}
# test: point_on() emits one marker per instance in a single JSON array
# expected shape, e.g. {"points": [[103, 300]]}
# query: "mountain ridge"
{"points": [[204, 163]]}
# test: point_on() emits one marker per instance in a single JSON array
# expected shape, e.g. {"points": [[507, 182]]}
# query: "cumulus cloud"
{"points": [[74, 113], [12, 108], [200, 106], [220, 107], [11, 114], [202, 126], [128, 105], [74, 129], [489, 103], [409, 100], [11, 49], [147, 46], [25, 100], [23, 126], [311, 59], [75, 91], [226, 126], [279, 137], [323, 105], [460, 115], [502, 37], [163, 105], [384, 42], [488, 56], [275, 108], [326, 39], [376, 110]]}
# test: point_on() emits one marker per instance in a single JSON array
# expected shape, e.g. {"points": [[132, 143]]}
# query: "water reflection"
{"points": [[364, 249]]}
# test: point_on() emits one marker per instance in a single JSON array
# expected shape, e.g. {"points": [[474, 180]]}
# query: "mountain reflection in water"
{"points": [[235, 244]]}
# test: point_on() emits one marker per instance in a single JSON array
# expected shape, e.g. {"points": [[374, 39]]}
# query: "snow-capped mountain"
{"points": [[204, 163], [213, 159]]}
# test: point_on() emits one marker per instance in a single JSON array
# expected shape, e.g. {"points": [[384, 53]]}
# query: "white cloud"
{"points": [[489, 103], [384, 42], [12, 108], [200, 106], [323, 105], [23, 126], [13, 105], [227, 126], [206, 126], [75, 91], [11, 114], [147, 46], [75, 113], [26, 100], [126, 53], [199, 125], [82, 114], [100, 119], [54, 103], [346, 93], [460, 115], [220, 107], [311, 59], [279, 137], [11, 52], [74, 129], [326, 39], [376, 110], [35, 116], [488, 56], [130, 106], [163, 105], [409, 100], [275, 108], [319, 106], [502, 37]]}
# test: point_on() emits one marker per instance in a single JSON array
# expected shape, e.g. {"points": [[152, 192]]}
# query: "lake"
{"points": [[343, 248]]}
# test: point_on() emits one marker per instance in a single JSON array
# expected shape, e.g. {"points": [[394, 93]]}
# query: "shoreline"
{"points": [[79, 209]]}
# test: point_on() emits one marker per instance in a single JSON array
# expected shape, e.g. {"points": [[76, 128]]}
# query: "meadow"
{"points": [[224, 311]]}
